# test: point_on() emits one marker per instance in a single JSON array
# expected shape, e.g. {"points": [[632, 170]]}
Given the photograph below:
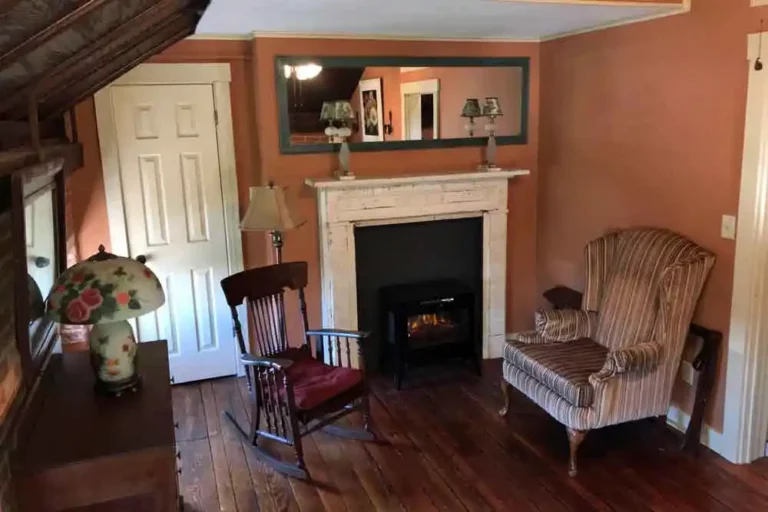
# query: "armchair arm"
{"points": [[528, 337], [565, 324], [640, 358]]}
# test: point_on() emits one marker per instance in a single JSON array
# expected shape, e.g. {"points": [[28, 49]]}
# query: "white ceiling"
{"points": [[421, 19]]}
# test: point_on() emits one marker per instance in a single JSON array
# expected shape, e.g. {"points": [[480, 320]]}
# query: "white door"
{"points": [[412, 116], [41, 241], [171, 182]]}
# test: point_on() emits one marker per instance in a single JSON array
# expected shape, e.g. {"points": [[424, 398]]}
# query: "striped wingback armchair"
{"points": [[616, 358]]}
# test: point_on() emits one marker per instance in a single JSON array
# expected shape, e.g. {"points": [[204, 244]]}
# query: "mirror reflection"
{"points": [[403, 103], [40, 233]]}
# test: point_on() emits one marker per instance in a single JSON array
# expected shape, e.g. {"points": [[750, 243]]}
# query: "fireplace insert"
{"points": [[428, 322]]}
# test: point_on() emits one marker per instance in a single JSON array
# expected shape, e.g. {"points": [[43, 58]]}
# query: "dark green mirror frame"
{"points": [[281, 84]]}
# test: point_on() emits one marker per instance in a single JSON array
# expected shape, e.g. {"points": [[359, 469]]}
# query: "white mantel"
{"points": [[344, 204]]}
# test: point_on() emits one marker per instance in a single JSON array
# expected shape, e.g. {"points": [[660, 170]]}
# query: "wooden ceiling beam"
{"points": [[83, 9], [50, 80], [7, 5], [176, 29]]}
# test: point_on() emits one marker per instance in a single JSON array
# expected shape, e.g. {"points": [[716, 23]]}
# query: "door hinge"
{"points": [[216, 117]]}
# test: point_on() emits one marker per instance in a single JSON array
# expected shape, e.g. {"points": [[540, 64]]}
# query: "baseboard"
{"points": [[712, 439]]}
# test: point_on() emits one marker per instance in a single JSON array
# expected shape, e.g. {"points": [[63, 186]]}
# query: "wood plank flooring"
{"points": [[442, 446]]}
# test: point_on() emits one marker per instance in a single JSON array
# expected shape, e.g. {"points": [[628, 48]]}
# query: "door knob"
{"points": [[42, 262], [141, 259]]}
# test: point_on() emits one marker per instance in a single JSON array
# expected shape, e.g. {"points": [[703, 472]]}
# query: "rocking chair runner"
{"points": [[293, 392]]}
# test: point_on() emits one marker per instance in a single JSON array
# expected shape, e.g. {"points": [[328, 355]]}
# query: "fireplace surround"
{"points": [[344, 205]]}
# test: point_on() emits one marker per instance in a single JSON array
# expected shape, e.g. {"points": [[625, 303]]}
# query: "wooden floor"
{"points": [[443, 447]]}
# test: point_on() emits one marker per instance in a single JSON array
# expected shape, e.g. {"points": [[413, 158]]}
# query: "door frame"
{"points": [[219, 76], [431, 86], [746, 387]]}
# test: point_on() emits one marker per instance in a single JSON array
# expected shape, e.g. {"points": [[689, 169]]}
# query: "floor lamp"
{"points": [[268, 211]]}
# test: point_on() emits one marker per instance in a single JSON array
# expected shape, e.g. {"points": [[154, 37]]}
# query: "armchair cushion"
{"points": [[565, 324], [639, 358], [314, 382], [564, 367]]}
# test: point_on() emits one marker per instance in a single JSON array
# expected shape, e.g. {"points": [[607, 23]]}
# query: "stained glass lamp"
{"points": [[105, 291]]}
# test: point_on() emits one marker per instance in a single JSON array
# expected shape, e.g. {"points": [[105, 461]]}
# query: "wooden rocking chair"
{"points": [[293, 391]]}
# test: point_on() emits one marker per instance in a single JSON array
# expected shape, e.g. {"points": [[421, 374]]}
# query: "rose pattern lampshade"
{"points": [[106, 291]]}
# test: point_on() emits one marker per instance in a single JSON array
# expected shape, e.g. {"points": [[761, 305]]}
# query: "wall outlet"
{"points": [[687, 373], [728, 227]]}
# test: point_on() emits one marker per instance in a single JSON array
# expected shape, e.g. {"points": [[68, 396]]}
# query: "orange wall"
{"points": [[643, 125], [291, 170]]}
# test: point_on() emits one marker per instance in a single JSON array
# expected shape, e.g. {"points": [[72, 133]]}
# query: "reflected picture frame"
{"points": [[281, 85], [371, 111]]}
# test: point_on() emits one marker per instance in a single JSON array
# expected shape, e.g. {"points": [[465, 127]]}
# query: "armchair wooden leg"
{"points": [[575, 437], [505, 388]]}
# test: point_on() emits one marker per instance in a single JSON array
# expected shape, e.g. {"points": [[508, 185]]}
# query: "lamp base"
{"points": [[344, 176], [113, 358]]}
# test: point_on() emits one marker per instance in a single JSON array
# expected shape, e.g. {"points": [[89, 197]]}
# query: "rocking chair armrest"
{"points": [[341, 333], [265, 362]]}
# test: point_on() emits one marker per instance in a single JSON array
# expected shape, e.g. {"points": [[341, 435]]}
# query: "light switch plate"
{"points": [[728, 227]]}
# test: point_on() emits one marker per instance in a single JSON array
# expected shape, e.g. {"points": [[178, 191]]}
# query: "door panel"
{"points": [[171, 184]]}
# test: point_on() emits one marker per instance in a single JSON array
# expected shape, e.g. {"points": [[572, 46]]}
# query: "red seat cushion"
{"points": [[315, 382]]}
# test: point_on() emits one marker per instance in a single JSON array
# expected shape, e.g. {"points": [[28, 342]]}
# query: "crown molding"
{"points": [[220, 37], [387, 37], [608, 3], [674, 10], [685, 8]]}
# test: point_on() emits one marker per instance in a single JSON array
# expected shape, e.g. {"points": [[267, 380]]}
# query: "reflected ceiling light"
{"points": [[303, 71]]}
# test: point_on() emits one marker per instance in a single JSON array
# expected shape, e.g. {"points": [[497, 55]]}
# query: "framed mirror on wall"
{"points": [[401, 102], [40, 246]]}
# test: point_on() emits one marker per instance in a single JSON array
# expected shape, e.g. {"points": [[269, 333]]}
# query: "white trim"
{"points": [[220, 37], [755, 3], [674, 11], [679, 420], [746, 386], [608, 3], [219, 77], [274, 34], [431, 86], [413, 179]]}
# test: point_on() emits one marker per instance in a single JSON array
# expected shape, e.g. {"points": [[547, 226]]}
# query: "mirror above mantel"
{"points": [[400, 102]]}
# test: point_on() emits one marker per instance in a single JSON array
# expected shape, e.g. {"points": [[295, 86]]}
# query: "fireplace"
{"points": [[419, 289], [345, 206], [428, 322]]}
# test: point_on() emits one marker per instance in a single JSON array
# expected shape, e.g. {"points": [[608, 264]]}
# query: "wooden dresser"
{"points": [[85, 451]]}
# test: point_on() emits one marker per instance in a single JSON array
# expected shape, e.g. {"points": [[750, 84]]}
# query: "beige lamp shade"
{"points": [[268, 211], [492, 107], [103, 289]]}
